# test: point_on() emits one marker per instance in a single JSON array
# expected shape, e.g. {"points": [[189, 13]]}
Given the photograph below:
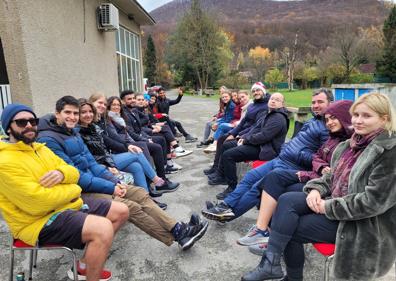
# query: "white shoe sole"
{"points": [[195, 238], [182, 154]]}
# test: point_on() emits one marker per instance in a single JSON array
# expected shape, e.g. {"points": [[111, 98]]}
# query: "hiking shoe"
{"points": [[191, 234], [82, 274], [163, 206], [228, 190], [194, 220], [220, 212], [168, 186], [170, 169], [180, 152], [190, 138], [217, 181], [254, 236], [209, 171], [258, 249], [210, 149]]}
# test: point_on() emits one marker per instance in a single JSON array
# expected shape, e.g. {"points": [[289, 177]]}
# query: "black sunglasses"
{"points": [[22, 123]]}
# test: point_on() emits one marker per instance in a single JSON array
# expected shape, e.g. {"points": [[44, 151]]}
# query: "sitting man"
{"points": [[60, 135], [296, 155], [163, 104], [40, 199], [263, 142]]}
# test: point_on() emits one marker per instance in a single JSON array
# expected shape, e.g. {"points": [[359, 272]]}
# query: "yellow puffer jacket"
{"points": [[26, 205]]}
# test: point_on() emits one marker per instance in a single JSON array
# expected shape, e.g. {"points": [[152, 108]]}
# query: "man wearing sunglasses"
{"points": [[40, 199]]}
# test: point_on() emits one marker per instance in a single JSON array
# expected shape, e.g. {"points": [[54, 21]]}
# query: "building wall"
{"points": [[53, 48]]}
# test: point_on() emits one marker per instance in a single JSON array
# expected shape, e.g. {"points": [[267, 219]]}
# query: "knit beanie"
{"points": [[340, 109], [10, 111], [260, 86]]}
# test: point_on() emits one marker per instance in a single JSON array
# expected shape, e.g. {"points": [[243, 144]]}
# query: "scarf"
{"points": [[340, 176], [117, 118]]}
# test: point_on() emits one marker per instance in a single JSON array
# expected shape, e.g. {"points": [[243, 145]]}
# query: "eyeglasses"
{"points": [[256, 90], [22, 123]]}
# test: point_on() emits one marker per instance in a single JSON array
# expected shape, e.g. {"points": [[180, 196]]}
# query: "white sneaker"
{"points": [[180, 152], [175, 165], [210, 149]]}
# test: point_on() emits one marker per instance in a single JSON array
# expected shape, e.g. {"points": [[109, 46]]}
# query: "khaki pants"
{"points": [[144, 213]]}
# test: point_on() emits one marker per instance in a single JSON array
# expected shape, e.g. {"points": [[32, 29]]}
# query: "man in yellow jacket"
{"points": [[40, 200]]}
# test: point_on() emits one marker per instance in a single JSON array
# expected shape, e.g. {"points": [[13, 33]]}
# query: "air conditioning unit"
{"points": [[107, 15]]}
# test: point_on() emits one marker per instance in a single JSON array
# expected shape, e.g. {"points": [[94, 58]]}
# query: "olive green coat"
{"points": [[366, 235]]}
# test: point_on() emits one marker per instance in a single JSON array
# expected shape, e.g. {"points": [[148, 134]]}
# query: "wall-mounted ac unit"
{"points": [[107, 15]]}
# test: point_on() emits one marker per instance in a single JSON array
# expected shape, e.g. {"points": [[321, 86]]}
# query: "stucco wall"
{"points": [[58, 57]]}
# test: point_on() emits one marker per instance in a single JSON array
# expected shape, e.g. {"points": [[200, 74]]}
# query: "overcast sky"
{"points": [[150, 5]]}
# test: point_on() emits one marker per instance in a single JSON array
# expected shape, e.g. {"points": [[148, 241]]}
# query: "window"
{"points": [[128, 60]]}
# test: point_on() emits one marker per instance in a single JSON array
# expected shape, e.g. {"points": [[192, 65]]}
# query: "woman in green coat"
{"points": [[354, 206]]}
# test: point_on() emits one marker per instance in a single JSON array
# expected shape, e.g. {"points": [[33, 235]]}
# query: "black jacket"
{"points": [[134, 127], [269, 133], [164, 104], [113, 141]]}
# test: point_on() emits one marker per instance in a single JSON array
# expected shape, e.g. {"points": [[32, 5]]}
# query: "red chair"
{"points": [[20, 245], [326, 250], [257, 163]]}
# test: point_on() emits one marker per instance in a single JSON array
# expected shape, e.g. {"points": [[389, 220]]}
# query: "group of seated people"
{"points": [[334, 182], [75, 177]]}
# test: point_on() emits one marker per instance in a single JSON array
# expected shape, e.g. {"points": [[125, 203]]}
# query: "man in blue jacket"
{"points": [[296, 155], [60, 135]]}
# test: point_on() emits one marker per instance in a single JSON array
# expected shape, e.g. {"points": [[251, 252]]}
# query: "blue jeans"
{"points": [[137, 165], [222, 129], [247, 193]]}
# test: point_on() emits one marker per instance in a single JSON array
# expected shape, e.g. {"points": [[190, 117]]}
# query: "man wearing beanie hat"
{"points": [[40, 199], [258, 86]]}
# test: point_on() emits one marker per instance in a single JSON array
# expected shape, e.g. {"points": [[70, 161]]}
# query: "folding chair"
{"points": [[19, 245]]}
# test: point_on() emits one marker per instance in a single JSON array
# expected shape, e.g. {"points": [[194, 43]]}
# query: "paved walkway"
{"points": [[136, 256]]}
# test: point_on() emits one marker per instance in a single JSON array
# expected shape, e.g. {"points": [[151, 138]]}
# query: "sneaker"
{"points": [[215, 174], [154, 193], [190, 138], [205, 143], [191, 234], [258, 249], [163, 206], [220, 212], [209, 171], [175, 165], [194, 220], [168, 186], [82, 274], [210, 149], [217, 181], [170, 169], [180, 152], [254, 236], [209, 205], [228, 190]]}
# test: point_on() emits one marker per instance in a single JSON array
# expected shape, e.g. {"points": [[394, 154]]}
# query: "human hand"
{"points": [[134, 149], [240, 142], [313, 200], [180, 91], [120, 190], [156, 129], [230, 137], [113, 170], [52, 178], [214, 127], [326, 170], [322, 209], [160, 124], [299, 176]]}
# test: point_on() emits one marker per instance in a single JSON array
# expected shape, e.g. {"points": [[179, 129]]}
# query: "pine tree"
{"points": [[387, 65], [150, 61]]}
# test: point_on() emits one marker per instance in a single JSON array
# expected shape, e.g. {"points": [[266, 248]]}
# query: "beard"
{"points": [[21, 136]]}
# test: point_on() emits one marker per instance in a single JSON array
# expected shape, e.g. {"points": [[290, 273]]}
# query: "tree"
{"points": [[289, 55], [274, 76], [150, 61], [200, 46], [259, 61], [387, 65]]}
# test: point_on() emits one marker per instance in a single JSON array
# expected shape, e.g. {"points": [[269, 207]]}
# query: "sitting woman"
{"points": [[353, 206], [131, 162], [279, 181], [228, 116]]}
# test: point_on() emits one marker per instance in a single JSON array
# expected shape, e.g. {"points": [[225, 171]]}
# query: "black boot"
{"points": [[269, 268]]}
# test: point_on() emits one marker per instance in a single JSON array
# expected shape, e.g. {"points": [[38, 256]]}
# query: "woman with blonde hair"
{"points": [[353, 206]]}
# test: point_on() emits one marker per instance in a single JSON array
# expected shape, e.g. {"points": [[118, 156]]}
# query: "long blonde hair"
{"points": [[92, 99], [380, 104]]}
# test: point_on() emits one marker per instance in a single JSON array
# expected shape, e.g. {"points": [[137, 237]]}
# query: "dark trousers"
{"points": [[167, 134], [294, 224], [173, 124], [155, 151], [280, 181], [158, 139], [219, 150], [233, 154]]}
